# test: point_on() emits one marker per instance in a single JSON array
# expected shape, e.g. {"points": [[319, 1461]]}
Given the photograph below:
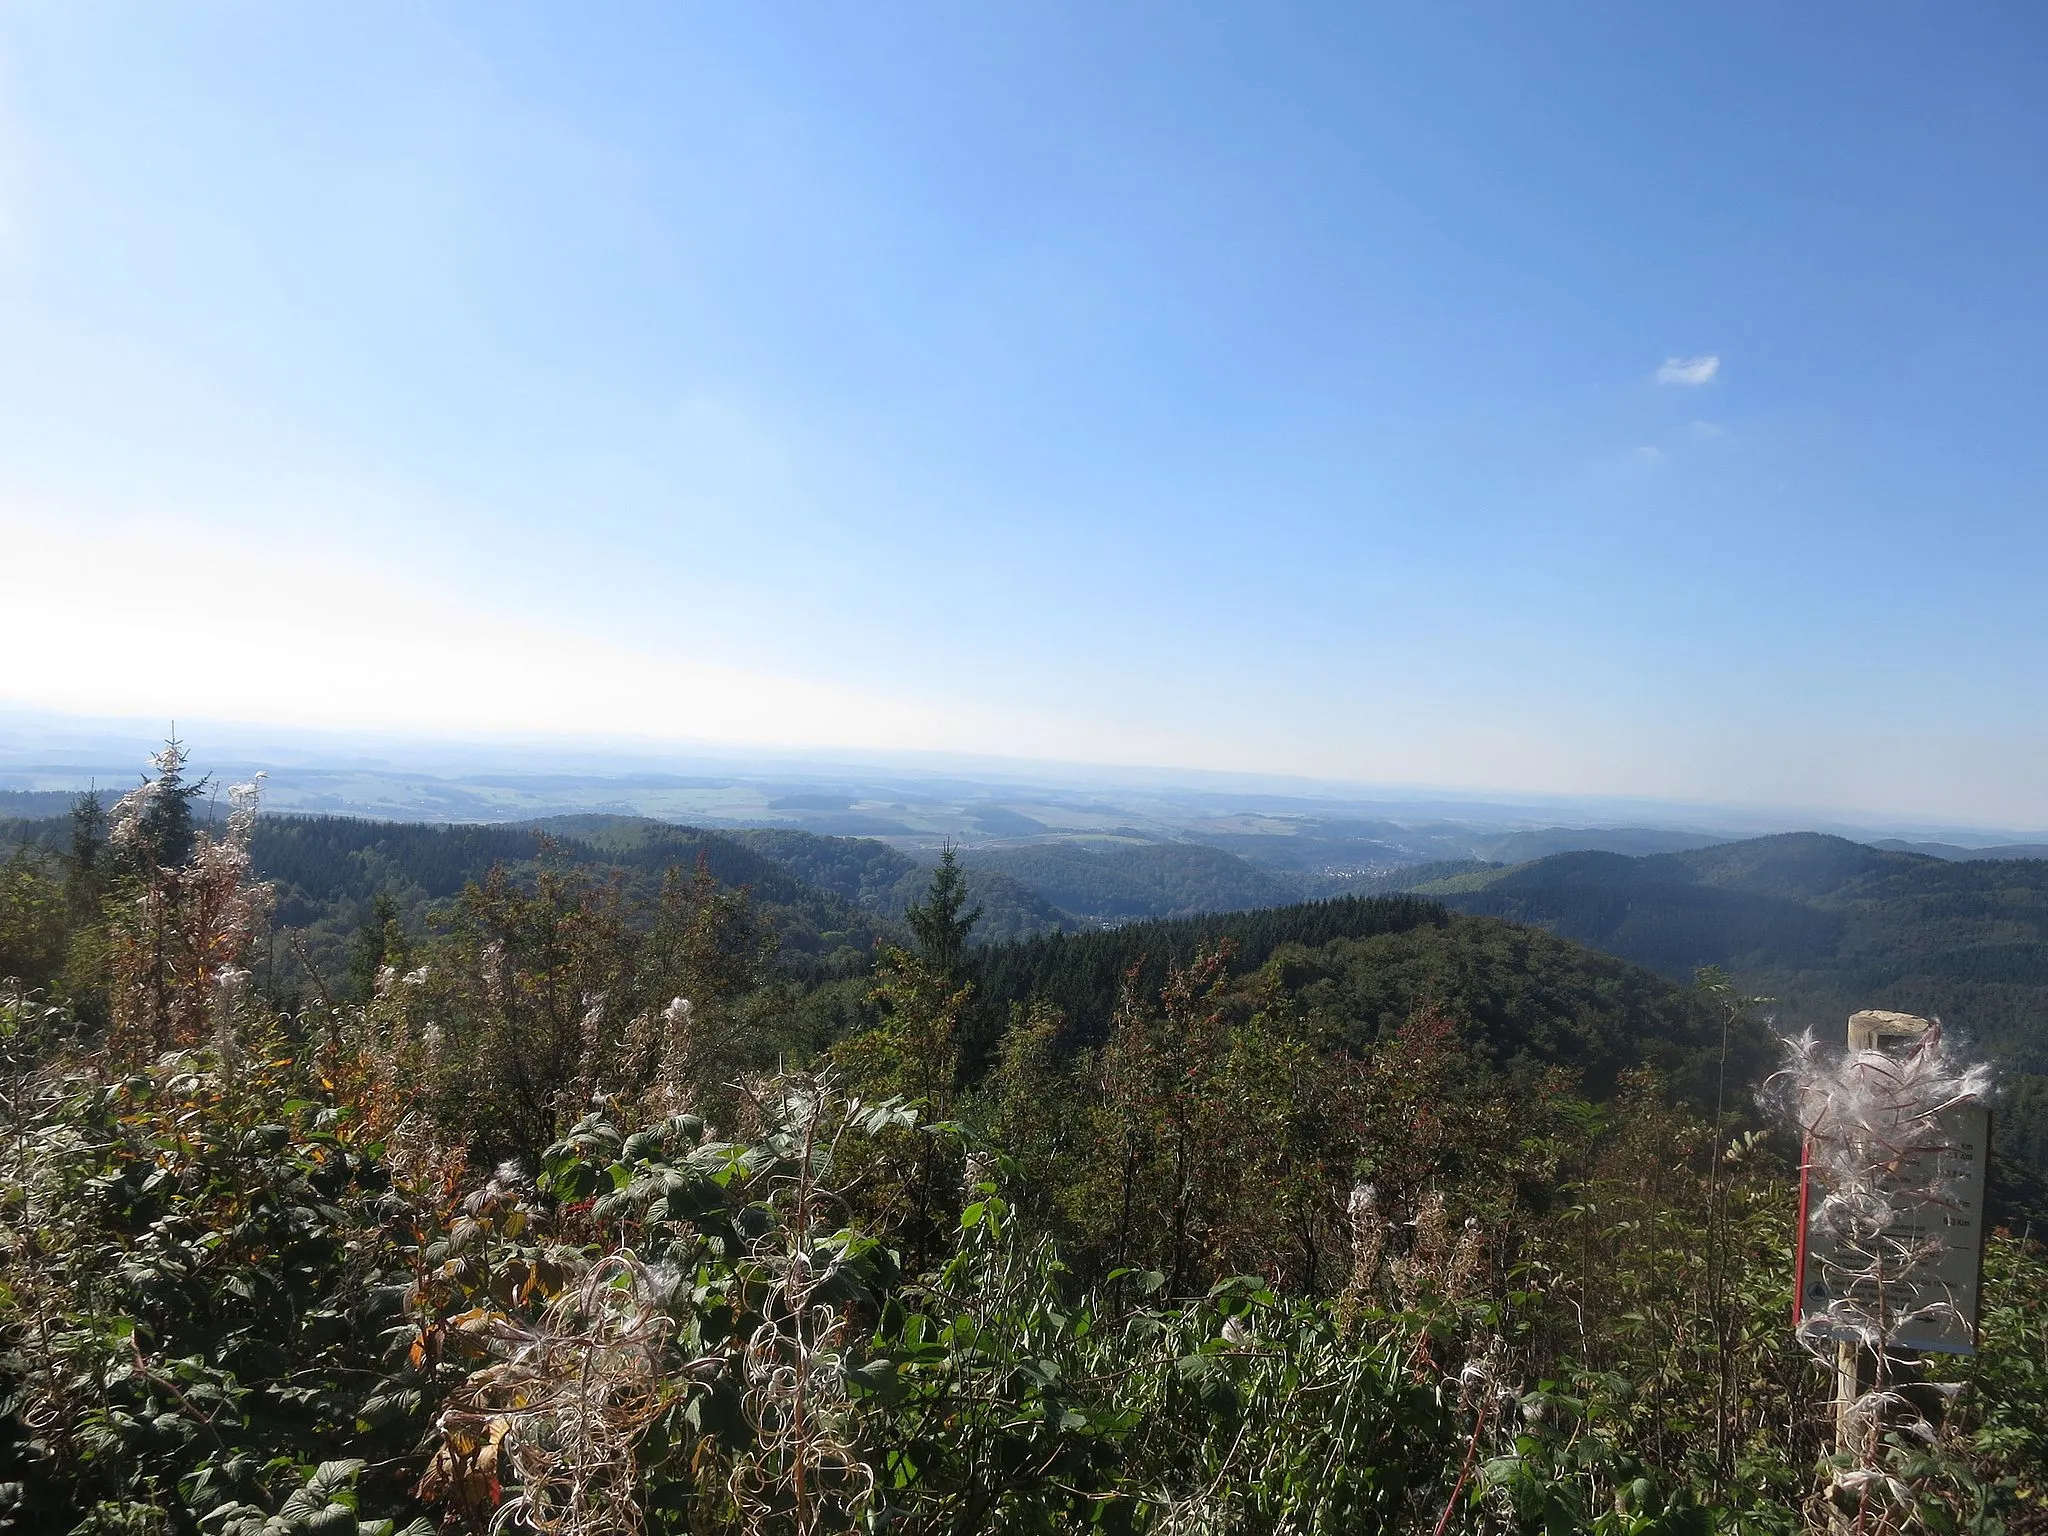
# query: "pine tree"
{"points": [[88, 875], [938, 922], [163, 833], [379, 941], [85, 867]]}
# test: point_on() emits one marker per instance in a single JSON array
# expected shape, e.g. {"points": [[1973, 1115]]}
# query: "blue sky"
{"points": [[1270, 388]]}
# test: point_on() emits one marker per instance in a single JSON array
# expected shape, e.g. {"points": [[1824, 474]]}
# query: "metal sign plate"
{"points": [[1953, 1232]]}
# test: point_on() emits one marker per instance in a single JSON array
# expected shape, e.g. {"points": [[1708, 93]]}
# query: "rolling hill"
{"points": [[328, 869], [1824, 926], [1957, 851], [1121, 882], [829, 898], [883, 881]]}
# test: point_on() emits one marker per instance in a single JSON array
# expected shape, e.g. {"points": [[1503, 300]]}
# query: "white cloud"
{"points": [[1649, 453], [1706, 430], [1689, 370]]}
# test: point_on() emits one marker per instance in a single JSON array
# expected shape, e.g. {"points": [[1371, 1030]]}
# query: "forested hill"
{"points": [[1825, 926], [1119, 883], [828, 898], [826, 894], [1361, 966], [1084, 974], [328, 869], [1821, 924], [880, 880]]}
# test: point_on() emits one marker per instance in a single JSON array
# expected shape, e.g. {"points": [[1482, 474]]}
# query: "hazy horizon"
{"points": [[1602, 402], [66, 751]]}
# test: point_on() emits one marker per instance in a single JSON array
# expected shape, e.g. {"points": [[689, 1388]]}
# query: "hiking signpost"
{"points": [[1891, 1208]]}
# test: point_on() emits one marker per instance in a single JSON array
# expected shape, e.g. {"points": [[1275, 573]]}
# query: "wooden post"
{"points": [[1848, 1387], [1873, 1029]]}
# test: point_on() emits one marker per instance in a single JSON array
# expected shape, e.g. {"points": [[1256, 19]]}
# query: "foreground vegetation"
{"points": [[580, 1213]]}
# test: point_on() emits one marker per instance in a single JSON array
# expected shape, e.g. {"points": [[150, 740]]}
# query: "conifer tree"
{"points": [[939, 924], [85, 868], [379, 941], [163, 833], [88, 874]]}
